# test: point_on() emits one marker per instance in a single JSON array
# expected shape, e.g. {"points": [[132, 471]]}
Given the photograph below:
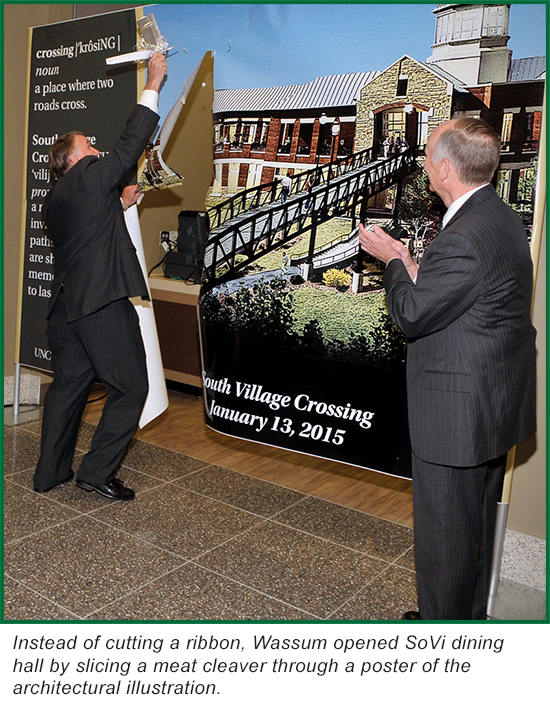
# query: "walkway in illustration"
{"points": [[257, 221]]}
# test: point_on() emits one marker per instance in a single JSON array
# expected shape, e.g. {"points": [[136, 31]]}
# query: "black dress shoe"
{"points": [[47, 490], [115, 490], [411, 615]]}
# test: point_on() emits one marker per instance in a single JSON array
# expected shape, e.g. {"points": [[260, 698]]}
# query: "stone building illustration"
{"points": [[263, 134]]}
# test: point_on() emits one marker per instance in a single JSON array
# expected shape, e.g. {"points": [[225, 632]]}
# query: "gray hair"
{"points": [[473, 148]]}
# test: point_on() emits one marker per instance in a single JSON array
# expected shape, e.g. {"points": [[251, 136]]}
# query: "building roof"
{"points": [[339, 90], [527, 69], [458, 84], [330, 91]]}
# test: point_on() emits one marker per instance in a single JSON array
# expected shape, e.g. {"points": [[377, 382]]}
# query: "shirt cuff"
{"points": [[150, 99]]}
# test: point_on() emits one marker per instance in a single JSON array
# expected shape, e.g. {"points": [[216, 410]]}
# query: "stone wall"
{"points": [[425, 90]]}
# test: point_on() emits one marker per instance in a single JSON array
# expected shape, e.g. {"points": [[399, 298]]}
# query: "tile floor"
{"points": [[199, 542]]}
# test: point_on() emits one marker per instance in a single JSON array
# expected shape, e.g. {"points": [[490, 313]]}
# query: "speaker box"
{"points": [[187, 261]]}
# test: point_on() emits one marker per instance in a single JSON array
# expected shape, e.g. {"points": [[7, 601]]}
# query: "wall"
{"points": [[424, 89], [527, 511]]}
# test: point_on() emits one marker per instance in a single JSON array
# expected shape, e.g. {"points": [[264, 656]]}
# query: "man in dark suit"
{"points": [[92, 326], [470, 365]]}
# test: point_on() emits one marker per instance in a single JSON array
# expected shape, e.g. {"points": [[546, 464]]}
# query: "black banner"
{"points": [[71, 88], [343, 411]]}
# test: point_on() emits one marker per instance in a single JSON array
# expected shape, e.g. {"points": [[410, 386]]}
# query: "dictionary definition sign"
{"points": [[70, 88]]}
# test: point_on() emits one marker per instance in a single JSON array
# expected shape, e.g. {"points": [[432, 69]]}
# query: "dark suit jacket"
{"points": [[95, 259], [471, 344]]}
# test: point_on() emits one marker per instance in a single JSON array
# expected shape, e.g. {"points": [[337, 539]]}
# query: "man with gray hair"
{"points": [[465, 311]]}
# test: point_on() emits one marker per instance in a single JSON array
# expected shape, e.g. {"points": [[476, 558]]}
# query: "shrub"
{"points": [[336, 278]]}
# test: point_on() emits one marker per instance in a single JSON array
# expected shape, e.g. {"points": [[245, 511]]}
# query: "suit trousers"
{"points": [[454, 527], [105, 346]]}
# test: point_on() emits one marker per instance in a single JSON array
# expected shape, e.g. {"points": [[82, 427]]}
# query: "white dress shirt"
{"points": [[456, 205], [150, 99]]}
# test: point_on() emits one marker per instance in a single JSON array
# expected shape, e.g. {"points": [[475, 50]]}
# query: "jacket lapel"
{"points": [[478, 197]]}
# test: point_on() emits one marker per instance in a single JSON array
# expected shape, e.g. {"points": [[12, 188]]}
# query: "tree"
{"points": [[420, 210]]}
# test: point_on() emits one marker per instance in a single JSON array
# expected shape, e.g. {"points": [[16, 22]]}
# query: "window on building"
{"points": [[250, 133], [222, 133], [305, 139], [402, 84], [503, 183], [235, 135], [394, 123], [422, 136], [467, 24], [495, 20], [526, 182], [444, 29], [532, 131], [285, 138], [506, 133], [345, 138], [218, 133], [260, 139]]}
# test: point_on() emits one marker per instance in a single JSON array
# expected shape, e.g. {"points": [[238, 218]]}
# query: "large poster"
{"points": [[70, 88], [298, 348]]}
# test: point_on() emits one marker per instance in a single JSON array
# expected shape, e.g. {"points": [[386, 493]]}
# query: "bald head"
{"points": [[471, 146]]}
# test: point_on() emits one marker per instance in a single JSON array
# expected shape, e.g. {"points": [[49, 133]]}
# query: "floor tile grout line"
{"points": [[254, 589], [182, 566], [139, 588], [19, 540], [31, 490], [139, 539], [16, 472], [226, 542], [198, 564], [42, 596], [237, 507], [263, 480], [209, 464], [270, 517], [263, 518], [161, 483], [360, 590], [185, 561], [362, 587], [376, 576], [332, 542], [143, 472]]}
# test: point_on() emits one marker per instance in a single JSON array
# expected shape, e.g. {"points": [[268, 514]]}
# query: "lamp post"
{"points": [[335, 130], [322, 120]]}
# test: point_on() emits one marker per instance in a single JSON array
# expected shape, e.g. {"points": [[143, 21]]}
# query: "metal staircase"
{"points": [[256, 221]]}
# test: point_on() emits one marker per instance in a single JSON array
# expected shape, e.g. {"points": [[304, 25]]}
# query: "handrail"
{"points": [[266, 193], [262, 230]]}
